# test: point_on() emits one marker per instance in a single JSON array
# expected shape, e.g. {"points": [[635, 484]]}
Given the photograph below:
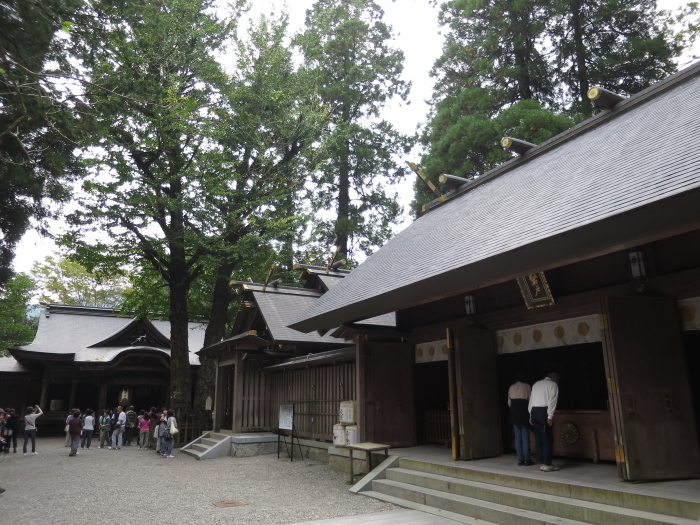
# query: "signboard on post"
{"points": [[286, 422], [286, 418]]}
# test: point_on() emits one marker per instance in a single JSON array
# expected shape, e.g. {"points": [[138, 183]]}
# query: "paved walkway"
{"points": [[136, 487]]}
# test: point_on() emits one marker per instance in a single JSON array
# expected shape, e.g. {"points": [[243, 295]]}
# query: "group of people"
{"points": [[9, 426], [534, 407], [153, 429]]}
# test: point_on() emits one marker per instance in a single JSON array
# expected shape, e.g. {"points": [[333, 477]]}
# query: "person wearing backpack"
{"points": [[130, 426]]}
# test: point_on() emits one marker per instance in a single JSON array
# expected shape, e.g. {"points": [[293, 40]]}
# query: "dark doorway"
{"points": [[691, 343], [432, 403], [581, 367]]}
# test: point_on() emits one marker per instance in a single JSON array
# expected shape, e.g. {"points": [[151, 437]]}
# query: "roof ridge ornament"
{"points": [[428, 182], [516, 145], [604, 98], [446, 178]]}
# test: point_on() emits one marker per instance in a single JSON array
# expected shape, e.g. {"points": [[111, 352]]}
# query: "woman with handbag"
{"points": [[168, 435]]}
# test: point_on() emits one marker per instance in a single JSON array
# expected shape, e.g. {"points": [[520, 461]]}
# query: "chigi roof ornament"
{"points": [[604, 98], [516, 145]]}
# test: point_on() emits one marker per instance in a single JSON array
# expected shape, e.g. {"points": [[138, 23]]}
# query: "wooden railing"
{"points": [[437, 426]]}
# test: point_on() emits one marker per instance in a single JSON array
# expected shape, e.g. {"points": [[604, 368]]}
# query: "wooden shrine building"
{"points": [[264, 363], [92, 358], [581, 256]]}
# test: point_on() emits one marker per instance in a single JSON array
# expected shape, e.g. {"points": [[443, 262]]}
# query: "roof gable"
{"points": [[139, 332]]}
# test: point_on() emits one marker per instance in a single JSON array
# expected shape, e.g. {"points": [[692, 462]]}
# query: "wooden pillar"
{"points": [[219, 393], [363, 410], [43, 402], [73, 392], [452, 383], [238, 393]]}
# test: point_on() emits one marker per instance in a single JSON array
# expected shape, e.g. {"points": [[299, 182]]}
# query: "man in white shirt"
{"points": [[118, 429], [543, 404]]}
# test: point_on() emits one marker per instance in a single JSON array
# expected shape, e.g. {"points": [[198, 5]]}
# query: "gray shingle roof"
{"points": [[598, 174], [280, 309], [72, 332]]}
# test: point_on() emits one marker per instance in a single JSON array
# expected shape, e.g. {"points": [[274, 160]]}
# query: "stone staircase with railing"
{"points": [[485, 497]]}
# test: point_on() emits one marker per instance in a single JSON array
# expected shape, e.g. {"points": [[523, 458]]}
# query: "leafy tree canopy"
{"points": [[15, 328]]}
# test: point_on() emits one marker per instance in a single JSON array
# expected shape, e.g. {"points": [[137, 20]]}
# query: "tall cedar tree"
{"points": [[499, 55], [38, 130], [349, 47]]}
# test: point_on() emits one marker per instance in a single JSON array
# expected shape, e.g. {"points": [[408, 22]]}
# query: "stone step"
{"points": [[459, 518], [474, 508], [199, 447], [218, 436], [209, 442], [563, 507], [191, 452], [555, 487]]}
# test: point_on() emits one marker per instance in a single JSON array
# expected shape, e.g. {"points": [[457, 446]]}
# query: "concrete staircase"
{"points": [[209, 445], [477, 496]]}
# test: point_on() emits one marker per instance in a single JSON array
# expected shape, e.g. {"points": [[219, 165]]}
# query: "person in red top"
{"points": [[75, 426]]}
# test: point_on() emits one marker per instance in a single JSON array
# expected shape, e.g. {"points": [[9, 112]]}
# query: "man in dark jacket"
{"points": [[518, 398]]}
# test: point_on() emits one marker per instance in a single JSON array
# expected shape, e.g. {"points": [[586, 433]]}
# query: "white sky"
{"points": [[416, 32]]}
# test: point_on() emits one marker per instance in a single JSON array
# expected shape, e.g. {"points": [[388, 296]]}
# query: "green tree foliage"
{"points": [[190, 167], [15, 328], [348, 46], [61, 280], [38, 130], [516, 66]]}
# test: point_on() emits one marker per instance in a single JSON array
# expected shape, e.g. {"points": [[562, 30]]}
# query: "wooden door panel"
{"points": [[477, 394], [648, 389], [392, 399]]}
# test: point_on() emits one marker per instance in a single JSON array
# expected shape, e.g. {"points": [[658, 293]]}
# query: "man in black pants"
{"points": [[130, 426], [543, 404]]}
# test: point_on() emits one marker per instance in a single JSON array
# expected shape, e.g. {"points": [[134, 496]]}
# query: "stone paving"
{"points": [[132, 486]]}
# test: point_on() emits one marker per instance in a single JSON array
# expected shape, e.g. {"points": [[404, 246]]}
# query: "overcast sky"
{"points": [[416, 32]]}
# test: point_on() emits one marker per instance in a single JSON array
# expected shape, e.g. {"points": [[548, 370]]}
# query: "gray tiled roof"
{"points": [[280, 309], [600, 173], [71, 332]]}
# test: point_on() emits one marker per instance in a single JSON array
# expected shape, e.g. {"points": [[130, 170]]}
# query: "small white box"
{"points": [[348, 412], [351, 434], [339, 437]]}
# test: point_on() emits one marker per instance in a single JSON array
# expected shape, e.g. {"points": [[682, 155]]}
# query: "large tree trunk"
{"points": [[581, 68], [216, 329], [180, 378], [342, 223]]}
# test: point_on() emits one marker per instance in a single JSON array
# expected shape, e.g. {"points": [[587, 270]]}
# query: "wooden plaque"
{"points": [[535, 290]]}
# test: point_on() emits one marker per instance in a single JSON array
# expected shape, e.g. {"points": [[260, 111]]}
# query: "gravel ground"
{"points": [[132, 486]]}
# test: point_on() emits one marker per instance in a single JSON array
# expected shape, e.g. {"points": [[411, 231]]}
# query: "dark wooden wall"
{"points": [[317, 393], [257, 408]]}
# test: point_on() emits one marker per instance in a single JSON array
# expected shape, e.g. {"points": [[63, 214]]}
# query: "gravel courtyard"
{"points": [[132, 486]]}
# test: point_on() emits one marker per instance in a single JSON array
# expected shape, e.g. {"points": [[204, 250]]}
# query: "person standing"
{"points": [[130, 426], [88, 429], [105, 423], [12, 429], [169, 439], [118, 429], [30, 427], [144, 431], [518, 399], [543, 404], [75, 427]]}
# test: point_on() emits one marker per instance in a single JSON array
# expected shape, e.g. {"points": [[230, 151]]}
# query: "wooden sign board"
{"points": [[286, 417], [535, 290]]}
